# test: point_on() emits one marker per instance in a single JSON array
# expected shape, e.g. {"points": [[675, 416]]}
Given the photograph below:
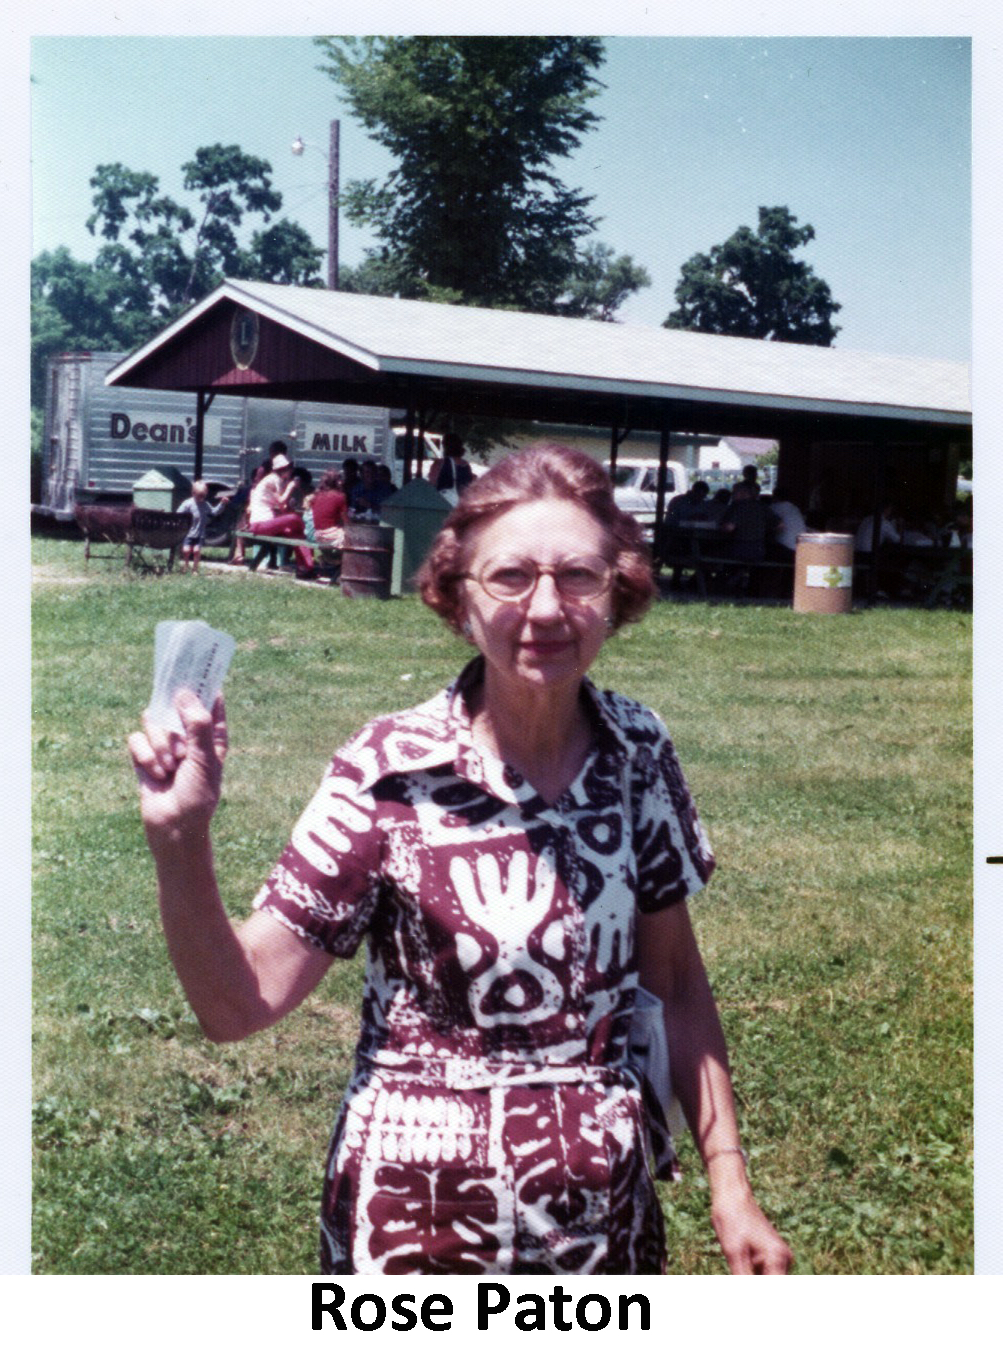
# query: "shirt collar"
{"points": [[611, 733], [440, 733]]}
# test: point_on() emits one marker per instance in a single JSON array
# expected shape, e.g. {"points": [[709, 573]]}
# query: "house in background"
{"points": [[732, 453]]}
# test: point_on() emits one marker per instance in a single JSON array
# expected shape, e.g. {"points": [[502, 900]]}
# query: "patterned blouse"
{"points": [[490, 1126]]}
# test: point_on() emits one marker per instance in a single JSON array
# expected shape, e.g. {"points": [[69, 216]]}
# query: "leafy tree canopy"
{"points": [[474, 212], [601, 282], [178, 256], [752, 285], [158, 255]]}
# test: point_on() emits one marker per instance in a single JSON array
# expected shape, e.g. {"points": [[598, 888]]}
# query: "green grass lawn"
{"points": [[830, 759]]}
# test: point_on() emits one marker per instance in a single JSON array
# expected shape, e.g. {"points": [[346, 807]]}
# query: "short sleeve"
{"points": [[674, 858], [325, 884]]}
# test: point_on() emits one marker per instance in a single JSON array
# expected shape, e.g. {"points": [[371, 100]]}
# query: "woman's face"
{"points": [[543, 640]]}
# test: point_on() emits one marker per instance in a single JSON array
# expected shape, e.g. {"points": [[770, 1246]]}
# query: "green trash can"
{"points": [[162, 488], [416, 512]]}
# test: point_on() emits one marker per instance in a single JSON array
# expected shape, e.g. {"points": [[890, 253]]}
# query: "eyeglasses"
{"points": [[511, 579]]}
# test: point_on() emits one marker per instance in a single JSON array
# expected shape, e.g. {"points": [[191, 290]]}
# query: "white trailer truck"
{"points": [[99, 440]]}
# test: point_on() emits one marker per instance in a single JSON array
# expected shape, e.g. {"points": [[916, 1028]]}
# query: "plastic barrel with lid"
{"points": [[823, 572], [367, 560]]}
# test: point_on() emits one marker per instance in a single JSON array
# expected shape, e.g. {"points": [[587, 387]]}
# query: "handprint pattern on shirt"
{"points": [[488, 1127]]}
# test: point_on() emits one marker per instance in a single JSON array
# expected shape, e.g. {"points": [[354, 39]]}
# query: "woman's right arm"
{"points": [[238, 980]]}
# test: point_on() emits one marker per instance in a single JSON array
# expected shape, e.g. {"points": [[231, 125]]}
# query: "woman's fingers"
{"points": [[144, 757], [205, 730], [751, 1244], [159, 751], [220, 734], [155, 751], [167, 745]]}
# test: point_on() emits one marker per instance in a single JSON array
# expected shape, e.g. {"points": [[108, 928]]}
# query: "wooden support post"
{"points": [[203, 401], [408, 442], [422, 426], [663, 461]]}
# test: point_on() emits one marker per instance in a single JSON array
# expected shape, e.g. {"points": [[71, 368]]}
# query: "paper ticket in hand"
{"points": [[187, 654]]}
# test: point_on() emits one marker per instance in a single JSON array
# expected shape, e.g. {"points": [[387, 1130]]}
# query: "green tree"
{"points": [[474, 212], [158, 254], [752, 285], [170, 255], [601, 282], [80, 306]]}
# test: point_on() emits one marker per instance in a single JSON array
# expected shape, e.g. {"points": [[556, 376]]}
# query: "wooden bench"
{"points": [[265, 542], [927, 574], [704, 552]]}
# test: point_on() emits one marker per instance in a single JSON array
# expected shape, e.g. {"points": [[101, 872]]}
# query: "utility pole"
{"points": [[297, 147], [332, 209]]}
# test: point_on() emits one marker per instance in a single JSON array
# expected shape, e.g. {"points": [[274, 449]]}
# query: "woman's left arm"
{"points": [[672, 968]]}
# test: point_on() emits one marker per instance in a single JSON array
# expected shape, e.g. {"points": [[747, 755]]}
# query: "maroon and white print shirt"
{"points": [[489, 1127]]}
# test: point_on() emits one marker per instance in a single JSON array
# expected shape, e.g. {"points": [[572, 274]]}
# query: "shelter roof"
{"points": [[396, 343]]}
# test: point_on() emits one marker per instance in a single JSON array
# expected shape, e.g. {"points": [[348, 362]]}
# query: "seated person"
{"points": [[790, 522], [917, 532], [350, 478], [299, 486], [330, 510], [962, 528], [691, 507], [370, 493], [244, 517], [889, 532], [269, 517], [717, 506], [745, 518]]}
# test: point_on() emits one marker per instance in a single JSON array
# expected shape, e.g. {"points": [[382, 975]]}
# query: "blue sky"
{"points": [[866, 138]]}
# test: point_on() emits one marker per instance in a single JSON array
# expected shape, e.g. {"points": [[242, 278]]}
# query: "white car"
{"points": [[635, 486]]}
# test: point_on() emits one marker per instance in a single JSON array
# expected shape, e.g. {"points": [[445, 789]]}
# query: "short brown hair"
{"points": [[542, 470]]}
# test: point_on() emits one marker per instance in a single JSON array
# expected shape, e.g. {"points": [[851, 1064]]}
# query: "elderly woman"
{"points": [[516, 853]]}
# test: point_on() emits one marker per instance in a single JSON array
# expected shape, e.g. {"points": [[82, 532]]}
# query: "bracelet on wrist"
{"points": [[728, 1149]]}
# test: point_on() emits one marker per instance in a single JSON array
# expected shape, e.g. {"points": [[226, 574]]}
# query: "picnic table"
{"points": [[934, 574], [704, 550]]}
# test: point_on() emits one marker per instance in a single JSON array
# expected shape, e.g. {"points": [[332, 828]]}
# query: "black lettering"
{"points": [[158, 433], [359, 1322], [408, 1319], [605, 1312], [321, 443], [533, 1318], [559, 1298], [359, 444], [428, 1308], [177, 434], [485, 1307], [641, 1299], [319, 1306], [192, 433], [139, 432], [120, 425]]}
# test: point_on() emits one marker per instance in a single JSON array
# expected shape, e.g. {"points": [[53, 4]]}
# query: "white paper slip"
{"points": [[187, 654]]}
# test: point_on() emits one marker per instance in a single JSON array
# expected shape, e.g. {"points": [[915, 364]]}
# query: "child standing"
{"points": [[200, 509]]}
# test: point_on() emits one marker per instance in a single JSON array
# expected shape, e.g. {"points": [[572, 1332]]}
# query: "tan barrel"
{"points": [[823, 572], [367, 560]]}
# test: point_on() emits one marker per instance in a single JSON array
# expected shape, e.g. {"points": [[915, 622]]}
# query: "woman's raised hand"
{"points": [[180, 776]]}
